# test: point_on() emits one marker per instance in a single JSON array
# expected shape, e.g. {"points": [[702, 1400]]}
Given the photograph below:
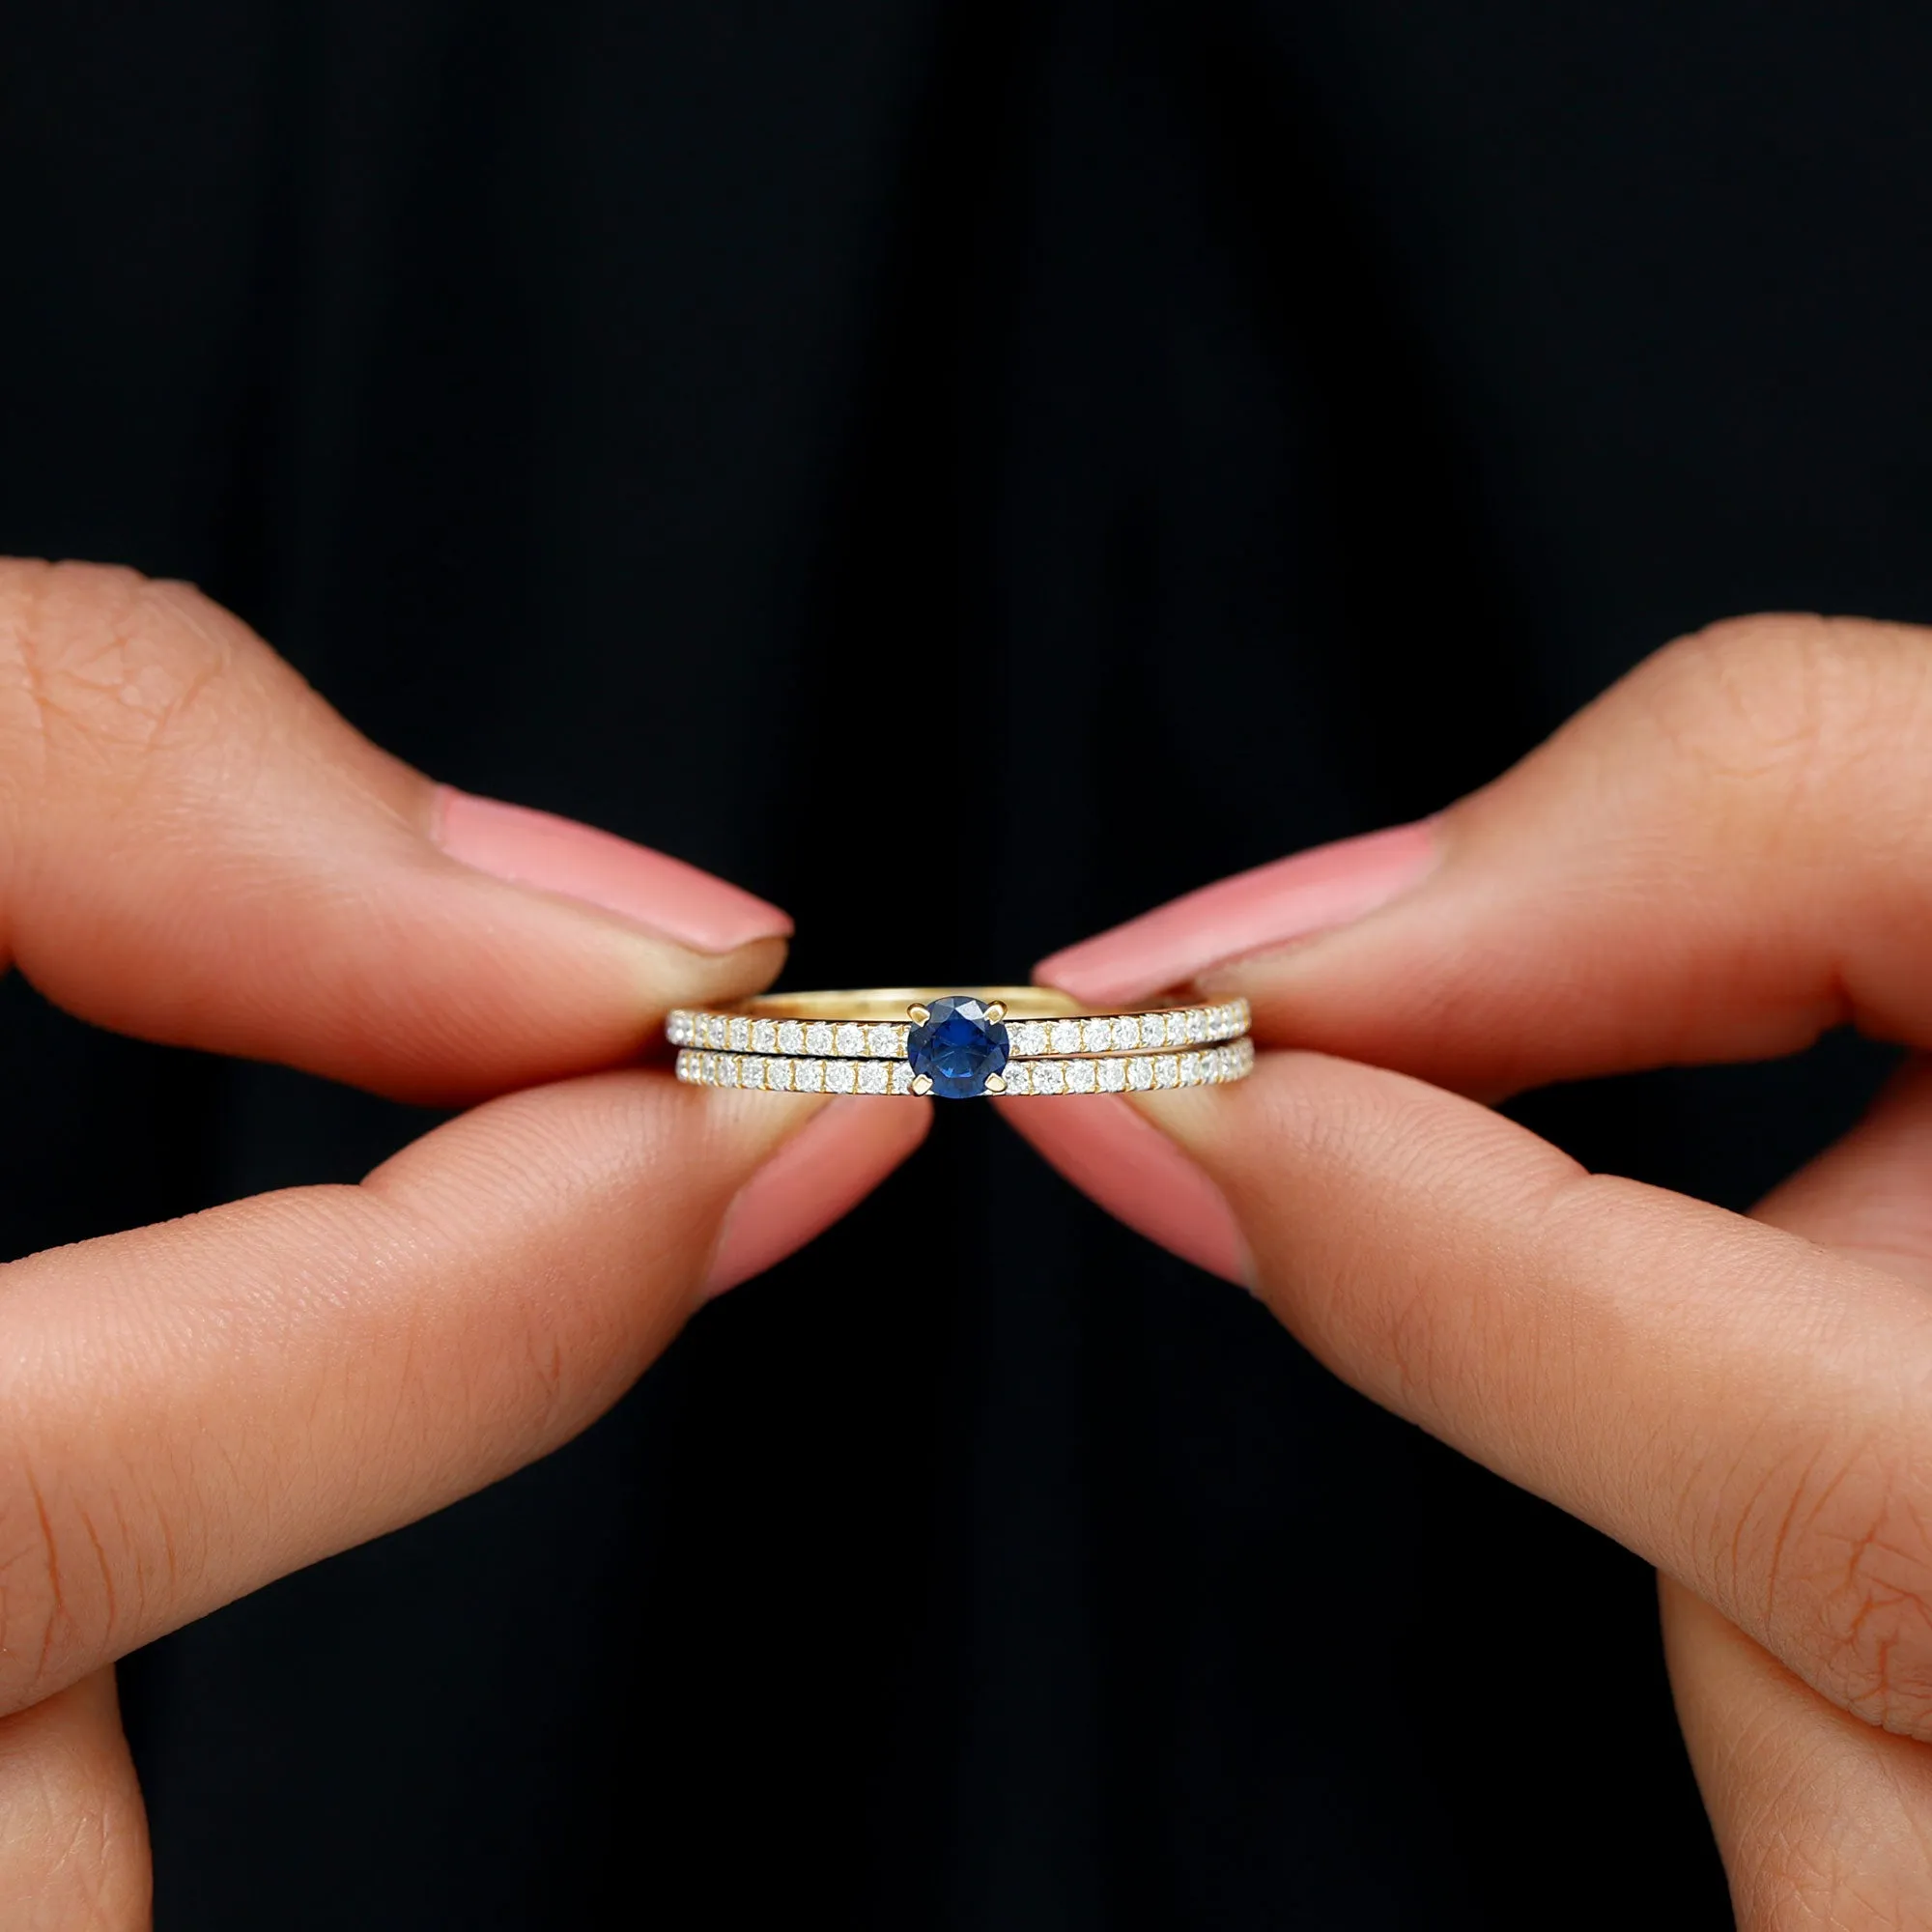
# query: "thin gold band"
{"points": [[890, 1003]]}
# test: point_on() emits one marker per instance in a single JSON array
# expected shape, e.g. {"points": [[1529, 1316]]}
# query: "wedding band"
{"points": [[957, 1043]]}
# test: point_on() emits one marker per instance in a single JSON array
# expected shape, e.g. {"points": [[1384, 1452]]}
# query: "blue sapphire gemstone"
{"points": [[958, 1048]]}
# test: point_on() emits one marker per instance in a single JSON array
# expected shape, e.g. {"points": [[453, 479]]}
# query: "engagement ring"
{"points": [[958, 1044]]}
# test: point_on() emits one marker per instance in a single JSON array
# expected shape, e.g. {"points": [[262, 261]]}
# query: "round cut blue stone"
{"points": [[958, 1048]]}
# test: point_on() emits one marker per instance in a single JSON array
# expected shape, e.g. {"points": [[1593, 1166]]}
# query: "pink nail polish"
{"points": [[1289, 899], [1115, 1155], [823, 1171], [558, 855]]}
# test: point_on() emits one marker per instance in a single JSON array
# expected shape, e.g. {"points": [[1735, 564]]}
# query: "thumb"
{"points": [[194, 848]]}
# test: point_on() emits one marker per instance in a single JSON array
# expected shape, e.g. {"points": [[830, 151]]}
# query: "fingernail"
{"points": [[823, 1171], [1115, 1155], [1292, 899], [558, 855]]}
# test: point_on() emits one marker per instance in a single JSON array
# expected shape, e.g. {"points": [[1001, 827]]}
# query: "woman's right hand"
{"points": [[195, 849], [1727, 853]]}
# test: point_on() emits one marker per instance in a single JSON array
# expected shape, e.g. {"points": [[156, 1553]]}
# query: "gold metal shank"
{"points": [[893, 1002]]}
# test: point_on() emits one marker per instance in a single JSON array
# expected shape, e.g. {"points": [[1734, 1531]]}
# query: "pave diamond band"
{"points": [[986, 1040], [1119, 1073], [747, 1030], [781, 1073]]}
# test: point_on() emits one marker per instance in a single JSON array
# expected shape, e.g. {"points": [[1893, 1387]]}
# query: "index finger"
{"points": [[1725, 855]]}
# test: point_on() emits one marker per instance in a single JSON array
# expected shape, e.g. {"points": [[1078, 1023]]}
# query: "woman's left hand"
{"points": [[194, 849], [1726, 855]]}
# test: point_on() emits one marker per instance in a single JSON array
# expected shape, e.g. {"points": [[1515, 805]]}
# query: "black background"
{"points": [[1090, 449]]}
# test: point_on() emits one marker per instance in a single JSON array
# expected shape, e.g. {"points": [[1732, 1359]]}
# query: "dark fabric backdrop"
{"points": [[967, 473]]}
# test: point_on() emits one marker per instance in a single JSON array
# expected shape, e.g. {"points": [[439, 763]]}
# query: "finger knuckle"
{"points": [[1849, 1567], [1783, 703], [58, 1607], [101, 665]]}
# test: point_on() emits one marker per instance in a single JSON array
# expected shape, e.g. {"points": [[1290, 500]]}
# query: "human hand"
{"points": [[1727, 854], [194, 849]]}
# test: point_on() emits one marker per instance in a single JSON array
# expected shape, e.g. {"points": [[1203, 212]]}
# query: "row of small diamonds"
{"points": [[781, 1074], [1028, 1039], [850, 1039], [1234, 1062], [1125, 1033]]}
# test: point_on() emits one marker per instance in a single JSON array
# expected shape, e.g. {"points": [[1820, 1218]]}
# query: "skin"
{"points": [[1729, 853], [194, 848]]}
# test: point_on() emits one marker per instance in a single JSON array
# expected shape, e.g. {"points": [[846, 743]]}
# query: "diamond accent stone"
{"points": [[779, 1075], [872, 1076], [764, 1037], [1167, 1071], [1049, 1076], [715, 1028], [1140, 1074], [849, 1039], [819, 1036], [1026, 1036], [842, 1076], [901, 1077], [751, 1072], [1153, 1029], [677, 1025], [1126, 1033], [1190, 1069], [1097, 1036], [1113, 1076], [1083, 1076], [791, 1037], [1018, 1077], [808, 1076], [738, 1035], [1065, 1036], [1176, 1028], [885, 1043], [727, 1071]]}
